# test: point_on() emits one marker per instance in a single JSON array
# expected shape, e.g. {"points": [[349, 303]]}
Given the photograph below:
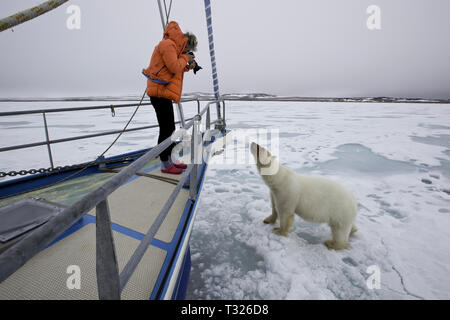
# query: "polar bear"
{"points": [[314, 199]]}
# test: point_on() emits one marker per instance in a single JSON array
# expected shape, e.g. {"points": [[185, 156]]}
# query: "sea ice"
{"points": [[394, 157]]}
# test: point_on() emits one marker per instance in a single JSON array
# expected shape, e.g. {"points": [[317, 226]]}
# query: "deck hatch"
{"points": [[22, 216]]}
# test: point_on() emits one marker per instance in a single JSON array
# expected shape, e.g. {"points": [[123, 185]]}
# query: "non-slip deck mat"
{"points": [[45, 275], [157, 172], [136, 205]]}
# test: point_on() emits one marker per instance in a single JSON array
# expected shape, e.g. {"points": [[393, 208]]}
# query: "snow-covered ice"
{"points": [[394, 157]]}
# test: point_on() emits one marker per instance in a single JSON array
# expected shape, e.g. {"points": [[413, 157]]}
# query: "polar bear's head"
{"points": [[261, 155], [265, 162]]}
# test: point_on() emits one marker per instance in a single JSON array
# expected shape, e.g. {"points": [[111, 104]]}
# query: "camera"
{"points": [[197, 67]]}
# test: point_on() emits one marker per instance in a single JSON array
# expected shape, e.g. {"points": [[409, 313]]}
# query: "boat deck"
{"points": [[133, 209]]}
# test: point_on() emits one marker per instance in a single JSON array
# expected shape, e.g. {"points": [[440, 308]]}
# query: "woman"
{"points": [[170, 59]]}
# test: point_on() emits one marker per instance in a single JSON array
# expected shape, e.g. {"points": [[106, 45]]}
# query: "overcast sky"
{"points": [[289, 47]]}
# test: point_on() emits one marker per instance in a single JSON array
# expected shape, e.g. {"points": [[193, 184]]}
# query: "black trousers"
{"points": [[164, 113]]}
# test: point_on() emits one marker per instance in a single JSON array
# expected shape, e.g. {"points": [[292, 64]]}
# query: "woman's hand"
{"points": [[192, 64], [190, 56]]}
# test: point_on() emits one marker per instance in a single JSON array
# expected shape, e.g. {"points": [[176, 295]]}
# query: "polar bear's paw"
{"points": [[333, 245], [270, 220], [279, 232]]}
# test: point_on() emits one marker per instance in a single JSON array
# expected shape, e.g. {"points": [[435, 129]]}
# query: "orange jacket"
{"points": [[168, 64]]}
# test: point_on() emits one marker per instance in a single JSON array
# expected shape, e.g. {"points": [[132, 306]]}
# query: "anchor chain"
{"points": [[40, 170], [14, 173]]}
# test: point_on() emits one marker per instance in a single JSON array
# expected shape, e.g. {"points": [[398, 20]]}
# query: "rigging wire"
{"points": [[125, 128], [167, 12], [170, 8]]}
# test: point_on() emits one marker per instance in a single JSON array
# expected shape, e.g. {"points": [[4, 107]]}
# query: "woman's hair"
{"points": [[191, 44]]}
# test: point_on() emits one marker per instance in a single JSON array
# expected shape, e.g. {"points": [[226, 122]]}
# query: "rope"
{"points": [[29, 14]]}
